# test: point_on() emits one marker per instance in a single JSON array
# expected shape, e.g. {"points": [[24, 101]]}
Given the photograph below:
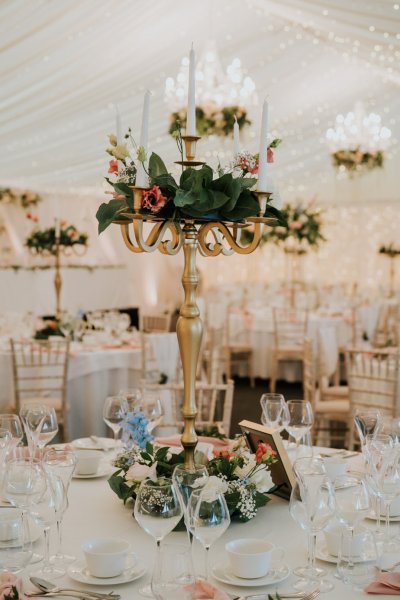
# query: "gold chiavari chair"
{"points": [[373, 379], [154, 322], [213, 401], [40, 371], [290, 328], [327, 411]]}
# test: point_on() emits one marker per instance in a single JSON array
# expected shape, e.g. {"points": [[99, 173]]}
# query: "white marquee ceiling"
{"points": [[64, 63]]}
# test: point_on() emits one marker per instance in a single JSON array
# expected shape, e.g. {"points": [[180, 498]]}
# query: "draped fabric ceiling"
{"points": [[66, 63]]}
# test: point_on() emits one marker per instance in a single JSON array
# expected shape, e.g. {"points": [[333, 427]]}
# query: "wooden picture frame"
{"points": [[281, 471]]}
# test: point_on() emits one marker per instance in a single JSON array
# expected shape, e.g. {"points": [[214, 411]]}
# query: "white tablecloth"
{"points": [[94, 511]]}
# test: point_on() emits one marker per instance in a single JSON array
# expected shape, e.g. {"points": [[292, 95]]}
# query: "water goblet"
{"points": [[186, 480], [273, 411], [312, 506], [301, 419], [12, 423], [208, 515], [40, 423], [60, 462], [173, 577], [367, 423], [114, 410], [157, 511], [133, 397]]}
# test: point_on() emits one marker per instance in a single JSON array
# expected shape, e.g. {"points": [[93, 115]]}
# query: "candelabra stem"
{"points": [[392, 277], [57, 278], [189, 330]]}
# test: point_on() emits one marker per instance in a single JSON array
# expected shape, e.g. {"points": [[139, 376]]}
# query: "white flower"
{"points": [[213, 487], [262, 480], [138, 472], [249, 464], [200, 482]]}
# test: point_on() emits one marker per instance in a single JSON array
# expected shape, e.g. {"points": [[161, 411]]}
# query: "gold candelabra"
{"points": [[56, 250], [210, 238]]}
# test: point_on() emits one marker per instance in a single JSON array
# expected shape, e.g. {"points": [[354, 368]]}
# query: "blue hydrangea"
{"points": [[135, 429]]}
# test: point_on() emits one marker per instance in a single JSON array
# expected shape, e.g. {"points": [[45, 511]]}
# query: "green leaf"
{"points": [[248, 182], [271, 211], [109, 212], [166, 182], [246, 206], [230, 187], [156, 166], [275, 143]]}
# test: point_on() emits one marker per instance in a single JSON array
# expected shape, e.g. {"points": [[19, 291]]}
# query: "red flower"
{"points": [[270, 155], [72, 234], [222, 454], [32, 217], [264, 452], [153, 199], [113, 166]]}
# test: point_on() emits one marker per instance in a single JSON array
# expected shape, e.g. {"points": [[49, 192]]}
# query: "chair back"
{"points": [[154, 322], [373, 380], [213, 402], [40, 371], [238, 326], [290, 327]]}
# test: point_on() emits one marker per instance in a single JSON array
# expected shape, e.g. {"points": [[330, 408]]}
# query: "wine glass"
{"points": [[173, 577], [387, 426], [15, 542], [301, 420], [44, 512], [367, 423], [352, 506], [40, 422], [133, 397], [60, 462], [12, 423], [312, 506], [274, 411], [208, 514], [114, 410], [186, 480]]}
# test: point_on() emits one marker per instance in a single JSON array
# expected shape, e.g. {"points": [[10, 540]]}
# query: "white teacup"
{"points": [[251, 558], [333, 538], [335, 467], [87, 462], [106, 557]]}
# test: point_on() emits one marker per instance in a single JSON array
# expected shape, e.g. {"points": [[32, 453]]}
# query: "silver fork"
{"points": [[299, 595]]}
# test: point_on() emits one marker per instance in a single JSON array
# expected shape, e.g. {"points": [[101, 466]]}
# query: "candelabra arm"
{"points": [[189, 330], [154, 240], [226, 242], [57, 277]]}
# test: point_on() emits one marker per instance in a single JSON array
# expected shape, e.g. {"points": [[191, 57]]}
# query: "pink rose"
{"points": [[7, 582], [296, 225], [113, 166], [270, 155], [117, 196], [153, 199]]}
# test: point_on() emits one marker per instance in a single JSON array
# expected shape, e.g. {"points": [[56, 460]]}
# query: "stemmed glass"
{"points": [[114, 410], [133, 397], [12, 423], [274, 411], [387, 426], [173, 577], [15, 543], [40, 422], [367, 422], [158, 511], [187, 480], [208, 515], [352, 506], [301, 420], [44, 513], [312, 506], [60, 462]]}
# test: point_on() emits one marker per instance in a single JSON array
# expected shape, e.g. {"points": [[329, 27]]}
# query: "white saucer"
{"points": [[78, 572], [102, 471], [372, 517], [321, 552], [103, 444], [223, 574]]}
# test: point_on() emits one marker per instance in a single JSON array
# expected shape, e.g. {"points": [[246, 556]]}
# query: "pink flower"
{"points": [[7, 582], [264, 452], [153, 199], [113, 166], [63, 223], [117, 196], [72, 234], [32, 217], [295, 225], [270, 155]]}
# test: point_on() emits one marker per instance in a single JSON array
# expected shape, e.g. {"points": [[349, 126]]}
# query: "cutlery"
{"points": [[392, 568], [339, 454], [299, 595], [50, 588], [73, 594]]}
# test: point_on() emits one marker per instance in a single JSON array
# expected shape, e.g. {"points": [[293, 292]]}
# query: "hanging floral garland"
{"points": [[211, 119], [21, 198], [357, 161]]}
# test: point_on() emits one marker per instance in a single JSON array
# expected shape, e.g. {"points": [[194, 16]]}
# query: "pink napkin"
{"points": [[387, 583], [220, 446], [205, 591]]}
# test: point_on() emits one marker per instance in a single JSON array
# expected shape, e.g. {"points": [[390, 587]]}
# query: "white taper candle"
{"points": [[262, 159], [118, 127], [141, 177], [191, 110], [236, 137]]}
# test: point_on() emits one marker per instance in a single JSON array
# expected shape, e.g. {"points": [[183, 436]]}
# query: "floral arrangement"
{"points": [[357, 160], [22, 198], [135, 429], [390, 250], [302, 230], [48, 328], [11, 587], [247, 163], [211, 119], [196, 195], [45, 239], [246, 476]]}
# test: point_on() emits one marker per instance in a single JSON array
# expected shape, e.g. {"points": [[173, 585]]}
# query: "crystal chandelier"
{"points": [[214, 85], [358, 131]]}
